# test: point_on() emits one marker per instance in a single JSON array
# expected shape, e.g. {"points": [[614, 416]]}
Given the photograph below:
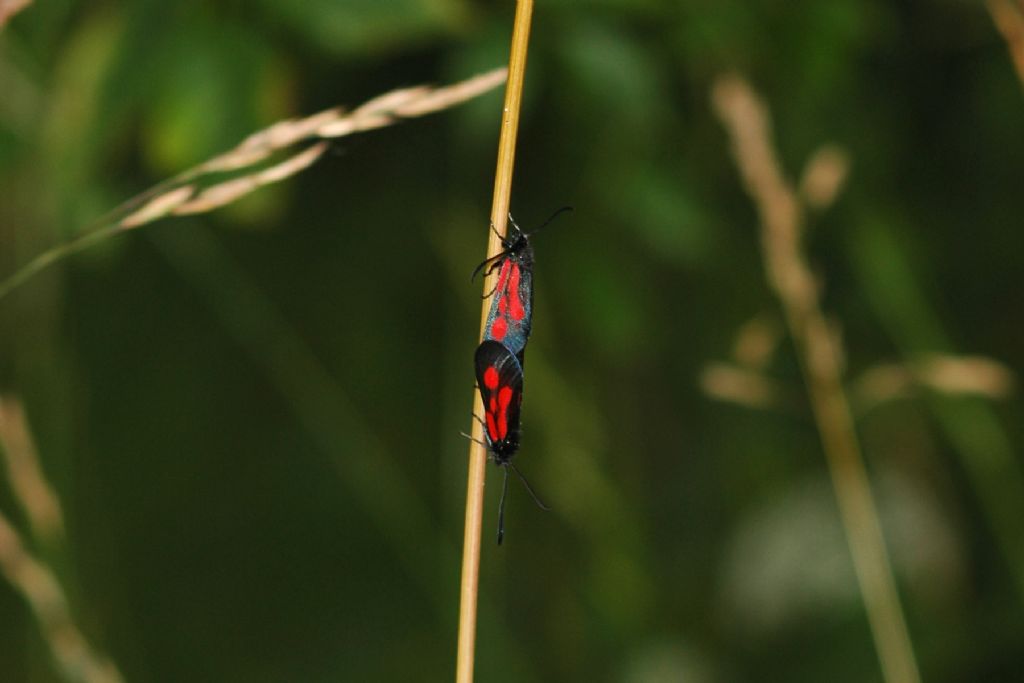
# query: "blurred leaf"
{"points": [[620, 588], [629, 8], [264, 208], [892, 286], [732, 36], [22, 101], [359, 27], [667, 215], [825, 37], [477, 120], [214, 90], [74, 144], [609, 302], [616, 74]]}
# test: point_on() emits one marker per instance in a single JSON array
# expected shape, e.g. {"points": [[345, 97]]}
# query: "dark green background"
{"points": [[252, 417]]}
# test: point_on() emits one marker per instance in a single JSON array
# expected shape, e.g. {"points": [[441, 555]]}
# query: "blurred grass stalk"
{"points": [[8, 8], [75, 659], [1008, 17], [746, 120], [745, 384], [28, 483], [470, 586]]}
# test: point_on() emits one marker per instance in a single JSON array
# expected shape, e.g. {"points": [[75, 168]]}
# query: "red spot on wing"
{"points": [[510, 304], [504, 398], [492, 429], [516, 306], [503, 279], [503, 302], [491, 378], [497, 413], [499, 328]]}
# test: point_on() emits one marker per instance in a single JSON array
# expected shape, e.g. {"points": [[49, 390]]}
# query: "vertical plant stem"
{"points": [[477, 453], [746, 119]]}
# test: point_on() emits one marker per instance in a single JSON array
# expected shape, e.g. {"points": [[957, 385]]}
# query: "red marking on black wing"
{"points": [[502, 398], [510, 317]]}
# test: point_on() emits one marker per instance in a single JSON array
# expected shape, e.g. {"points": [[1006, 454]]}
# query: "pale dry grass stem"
{"points": [[1008, 17], [746, 120], [8, 8], [29, 485], [381, 111], [75, 658], [823, 177], [941, 373], [742, 386], [32, 578], [744, 380], [747, 385], [756, 341], [255, 163], [470, 585]]}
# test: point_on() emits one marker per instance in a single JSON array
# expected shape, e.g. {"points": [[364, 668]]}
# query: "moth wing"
{"points": [[506, 367], [498, 371], [510, 316]]}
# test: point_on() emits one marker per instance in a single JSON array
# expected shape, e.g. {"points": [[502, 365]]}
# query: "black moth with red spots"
{"points": [[499, 374], [499, 358], [511, 315]]}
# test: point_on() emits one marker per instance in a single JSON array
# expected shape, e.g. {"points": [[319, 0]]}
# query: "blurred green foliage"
{"points": [[252, 417]]}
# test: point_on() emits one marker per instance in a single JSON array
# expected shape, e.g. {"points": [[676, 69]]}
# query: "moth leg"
{"points": [[478, 441]]}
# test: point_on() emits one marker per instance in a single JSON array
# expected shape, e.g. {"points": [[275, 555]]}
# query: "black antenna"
{"points": [[501, 508], [552, 217], [533, 495], [497, 256], [505, 252], [504, 491]]}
